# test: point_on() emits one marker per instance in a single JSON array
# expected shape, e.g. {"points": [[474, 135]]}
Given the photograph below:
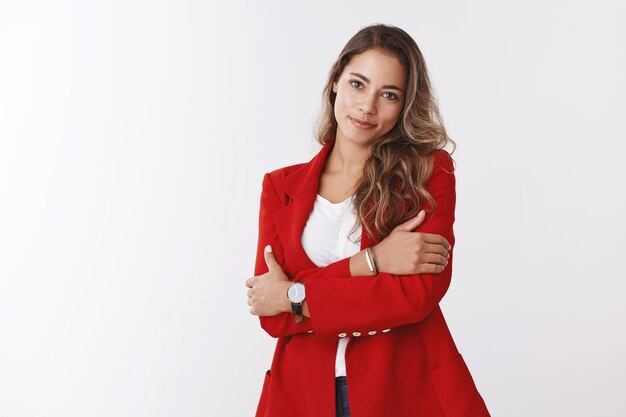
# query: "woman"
{"points": [[355, 250]]}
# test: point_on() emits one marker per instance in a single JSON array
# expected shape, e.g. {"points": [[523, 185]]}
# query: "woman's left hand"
{"points": [[267, 293]]}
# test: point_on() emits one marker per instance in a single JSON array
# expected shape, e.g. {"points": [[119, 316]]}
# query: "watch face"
{"points": [[296, 293]]}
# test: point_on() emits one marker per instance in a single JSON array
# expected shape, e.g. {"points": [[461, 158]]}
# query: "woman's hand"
{"points": [[267, 294], [405, 252]]}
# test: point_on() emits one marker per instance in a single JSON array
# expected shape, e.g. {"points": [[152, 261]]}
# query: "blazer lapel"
{"points": [[301, 186]]}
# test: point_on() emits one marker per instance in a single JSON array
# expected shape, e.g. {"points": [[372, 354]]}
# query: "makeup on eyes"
{"points": [[395, 96]]}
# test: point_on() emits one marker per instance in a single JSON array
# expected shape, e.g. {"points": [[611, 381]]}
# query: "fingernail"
{"points": [[268, 248]]}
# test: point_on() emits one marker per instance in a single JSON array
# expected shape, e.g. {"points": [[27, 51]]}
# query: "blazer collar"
{"points": [[308, 175], [290, 220]]}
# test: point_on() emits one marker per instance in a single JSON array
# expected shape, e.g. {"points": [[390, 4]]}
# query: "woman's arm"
{"points": [[385, 300], [365, 303], [283, 324]]}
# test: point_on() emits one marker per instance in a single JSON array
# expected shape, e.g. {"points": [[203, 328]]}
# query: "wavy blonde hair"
{"points": [[392, 187]]}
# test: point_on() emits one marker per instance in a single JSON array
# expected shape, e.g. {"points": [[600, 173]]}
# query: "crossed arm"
{"points": [[341, 303]]}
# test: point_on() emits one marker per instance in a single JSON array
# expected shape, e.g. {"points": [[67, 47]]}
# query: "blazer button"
{"points": [[386, 330], [342, 335], [311, 331], [372, 332], [357, 334]]}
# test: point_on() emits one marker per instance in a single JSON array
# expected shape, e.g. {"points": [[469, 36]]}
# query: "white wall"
{"points": [[133, 140]]}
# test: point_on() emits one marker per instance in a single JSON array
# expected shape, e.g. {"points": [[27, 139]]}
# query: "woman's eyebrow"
{"points": [[367, 80]]}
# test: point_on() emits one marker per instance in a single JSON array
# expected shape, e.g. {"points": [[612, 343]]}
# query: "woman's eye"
{"points": [[358, 84]]}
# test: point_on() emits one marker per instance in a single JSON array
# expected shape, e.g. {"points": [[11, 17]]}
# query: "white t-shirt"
{"points": [[325, 240]]}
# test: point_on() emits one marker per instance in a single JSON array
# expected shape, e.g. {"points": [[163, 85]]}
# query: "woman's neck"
{"points": [[346, 158]]}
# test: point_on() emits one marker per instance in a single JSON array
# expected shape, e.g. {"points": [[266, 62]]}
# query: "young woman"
{"points": [[355, 250]]}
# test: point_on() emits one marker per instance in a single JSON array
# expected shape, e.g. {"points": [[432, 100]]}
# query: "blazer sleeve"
{"points": [[373, 303], [283, 324]]}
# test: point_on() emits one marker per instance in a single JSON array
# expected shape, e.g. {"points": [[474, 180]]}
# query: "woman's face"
{"points": [[370, 90]]}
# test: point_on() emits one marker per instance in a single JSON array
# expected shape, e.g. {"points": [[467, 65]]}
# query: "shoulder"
{"points": [[442, 174], [275, 176], [443, 160], [280, 173], [271, 184]]}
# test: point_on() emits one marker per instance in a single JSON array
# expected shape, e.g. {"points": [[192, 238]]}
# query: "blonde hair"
{"points": [[392, 188]]}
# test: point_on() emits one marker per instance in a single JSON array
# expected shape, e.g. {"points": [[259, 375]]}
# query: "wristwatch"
{"points": [[296, 295]]}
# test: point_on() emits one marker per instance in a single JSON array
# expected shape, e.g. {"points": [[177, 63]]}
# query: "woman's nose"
{"points": [[368, 105]]}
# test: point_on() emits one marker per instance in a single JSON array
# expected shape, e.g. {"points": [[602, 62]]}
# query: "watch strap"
{"points": [[296, 308]]}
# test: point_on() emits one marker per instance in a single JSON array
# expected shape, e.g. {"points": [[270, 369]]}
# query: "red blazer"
{"points": [[401, 359]]}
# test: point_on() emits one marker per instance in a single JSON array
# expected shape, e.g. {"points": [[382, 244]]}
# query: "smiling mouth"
{"points": [[361, 124]]}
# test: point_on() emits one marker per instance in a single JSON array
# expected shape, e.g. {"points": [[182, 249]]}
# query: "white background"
{"points": [[134, 136]]}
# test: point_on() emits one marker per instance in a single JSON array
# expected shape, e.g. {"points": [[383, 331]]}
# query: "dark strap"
{"points": [[296, 308]]}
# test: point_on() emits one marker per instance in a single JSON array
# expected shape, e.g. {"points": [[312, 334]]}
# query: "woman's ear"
{"points": [[335, 87]]}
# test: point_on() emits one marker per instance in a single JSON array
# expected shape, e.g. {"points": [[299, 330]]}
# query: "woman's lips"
{"points": [[361, 124]]}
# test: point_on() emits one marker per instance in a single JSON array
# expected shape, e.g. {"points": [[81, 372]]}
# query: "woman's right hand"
{"points": [[405, 252]]}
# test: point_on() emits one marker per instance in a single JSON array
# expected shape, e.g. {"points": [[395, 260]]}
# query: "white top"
{"points": [[325, 240]]}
